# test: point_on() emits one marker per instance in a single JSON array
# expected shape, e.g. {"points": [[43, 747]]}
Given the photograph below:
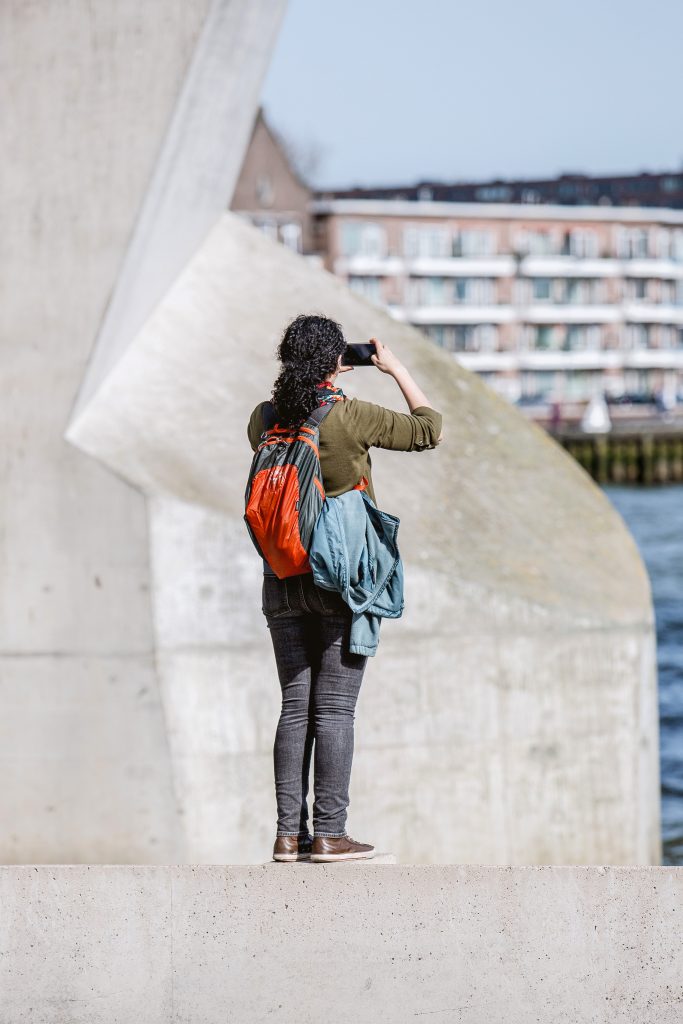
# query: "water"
{"points": [[654, 516]]}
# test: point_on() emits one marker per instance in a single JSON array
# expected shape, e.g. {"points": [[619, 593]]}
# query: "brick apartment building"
{"points": [[545, 300]]}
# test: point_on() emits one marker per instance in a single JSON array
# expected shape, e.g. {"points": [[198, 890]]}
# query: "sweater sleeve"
{"points": [[256, 426], [379, 427]]}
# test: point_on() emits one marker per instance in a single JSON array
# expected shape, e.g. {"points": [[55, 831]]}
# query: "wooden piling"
{"points": [[648, 457]]}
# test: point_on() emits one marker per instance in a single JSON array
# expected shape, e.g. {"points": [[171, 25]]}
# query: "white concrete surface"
{"points": [[375, 944], [93, 93], [510, 716], [197, 167]]}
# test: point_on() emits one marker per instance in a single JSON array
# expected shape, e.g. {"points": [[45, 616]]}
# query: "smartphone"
{"points": [[359, 354]]}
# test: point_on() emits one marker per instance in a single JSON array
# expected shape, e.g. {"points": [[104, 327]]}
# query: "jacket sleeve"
{"points": [[255, 427], [379, 427]]}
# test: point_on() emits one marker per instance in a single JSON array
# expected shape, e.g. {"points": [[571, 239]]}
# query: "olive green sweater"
{"points": [[352, 427]]}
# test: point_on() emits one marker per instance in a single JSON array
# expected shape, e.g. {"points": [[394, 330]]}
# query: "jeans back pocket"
{"points": [[274, 596]]}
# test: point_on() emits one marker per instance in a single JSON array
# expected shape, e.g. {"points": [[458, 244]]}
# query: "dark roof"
{"points": [[645, 189]]}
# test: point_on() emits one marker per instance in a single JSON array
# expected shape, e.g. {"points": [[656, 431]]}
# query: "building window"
{"points": [[436, 332], [359, 238], [369, 288], [486, 336], [635, 336], [460, 289], [581, 243], [524, 336], [662, 239], [474, 242], [668, 337], [494, 193], [426, 291], [426, 242], [535, 243], [541, 289], [433, 291], [635, 289], [469, 337], [477, 291], [291, 236], [667, 293], [464, 339], [578, 385], [545, 336], [265, 194], [636, 382], [537, 384], [567, 191], [582, 337], [581, 291], [632, 243]]}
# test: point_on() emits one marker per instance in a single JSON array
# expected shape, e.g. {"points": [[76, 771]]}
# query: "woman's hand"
{"points": [[384, 359]]}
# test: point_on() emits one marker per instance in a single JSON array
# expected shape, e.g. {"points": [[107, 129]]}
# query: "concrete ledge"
{"points": [[222, 943]]}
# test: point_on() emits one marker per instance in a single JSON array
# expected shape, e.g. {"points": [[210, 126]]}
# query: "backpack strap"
{"points": [[319, 414], [269, 415]]}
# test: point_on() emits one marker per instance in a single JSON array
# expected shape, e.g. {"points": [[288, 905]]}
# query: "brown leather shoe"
{"points": [[292, 847], [330, 848]]}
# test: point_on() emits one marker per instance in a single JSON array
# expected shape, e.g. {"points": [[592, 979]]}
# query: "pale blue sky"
{"points": [[394, 91]]}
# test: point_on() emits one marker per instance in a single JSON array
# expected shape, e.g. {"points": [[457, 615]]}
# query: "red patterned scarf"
{"points": [[329, 392]]}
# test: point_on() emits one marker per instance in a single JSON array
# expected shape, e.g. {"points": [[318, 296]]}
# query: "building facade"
{"points": [[547, 303], [271, 193]]}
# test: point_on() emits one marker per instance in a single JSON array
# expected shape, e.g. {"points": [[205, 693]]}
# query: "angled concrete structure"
{"points": [[510, 717], [516, 696], [116, 117]]}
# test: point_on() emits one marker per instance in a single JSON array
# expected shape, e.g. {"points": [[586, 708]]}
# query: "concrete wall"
{"points": [[375, 945], [510, 716], [95, 100]]}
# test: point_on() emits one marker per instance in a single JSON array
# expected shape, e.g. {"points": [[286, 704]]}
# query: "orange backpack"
{"points": [[284, 493]]}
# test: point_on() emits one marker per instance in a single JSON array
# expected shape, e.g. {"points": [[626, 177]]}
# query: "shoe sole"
{"points": [[288, 857], [328, 857]]}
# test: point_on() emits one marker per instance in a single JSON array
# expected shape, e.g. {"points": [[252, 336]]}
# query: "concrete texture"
{"points": [[196, 169], [373, 944], [510, 716], [101, 152]]}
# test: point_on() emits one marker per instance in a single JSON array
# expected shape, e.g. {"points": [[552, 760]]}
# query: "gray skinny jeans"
{"points": [[320, 681]]}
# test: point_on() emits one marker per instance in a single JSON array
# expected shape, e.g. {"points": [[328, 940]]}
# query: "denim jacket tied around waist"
{"points": [[354, 550]]}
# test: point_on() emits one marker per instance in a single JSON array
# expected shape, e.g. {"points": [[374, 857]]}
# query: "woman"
{"points": [[309, 627]]}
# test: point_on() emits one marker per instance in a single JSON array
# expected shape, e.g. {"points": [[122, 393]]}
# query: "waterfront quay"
{"points": [[633, 451]]}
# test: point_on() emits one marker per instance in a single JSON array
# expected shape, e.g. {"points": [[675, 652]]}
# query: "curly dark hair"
{"points": [[308, 351]]}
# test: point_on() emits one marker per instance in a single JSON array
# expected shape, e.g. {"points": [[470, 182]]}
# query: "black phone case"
{"points": [[358, 354]]}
